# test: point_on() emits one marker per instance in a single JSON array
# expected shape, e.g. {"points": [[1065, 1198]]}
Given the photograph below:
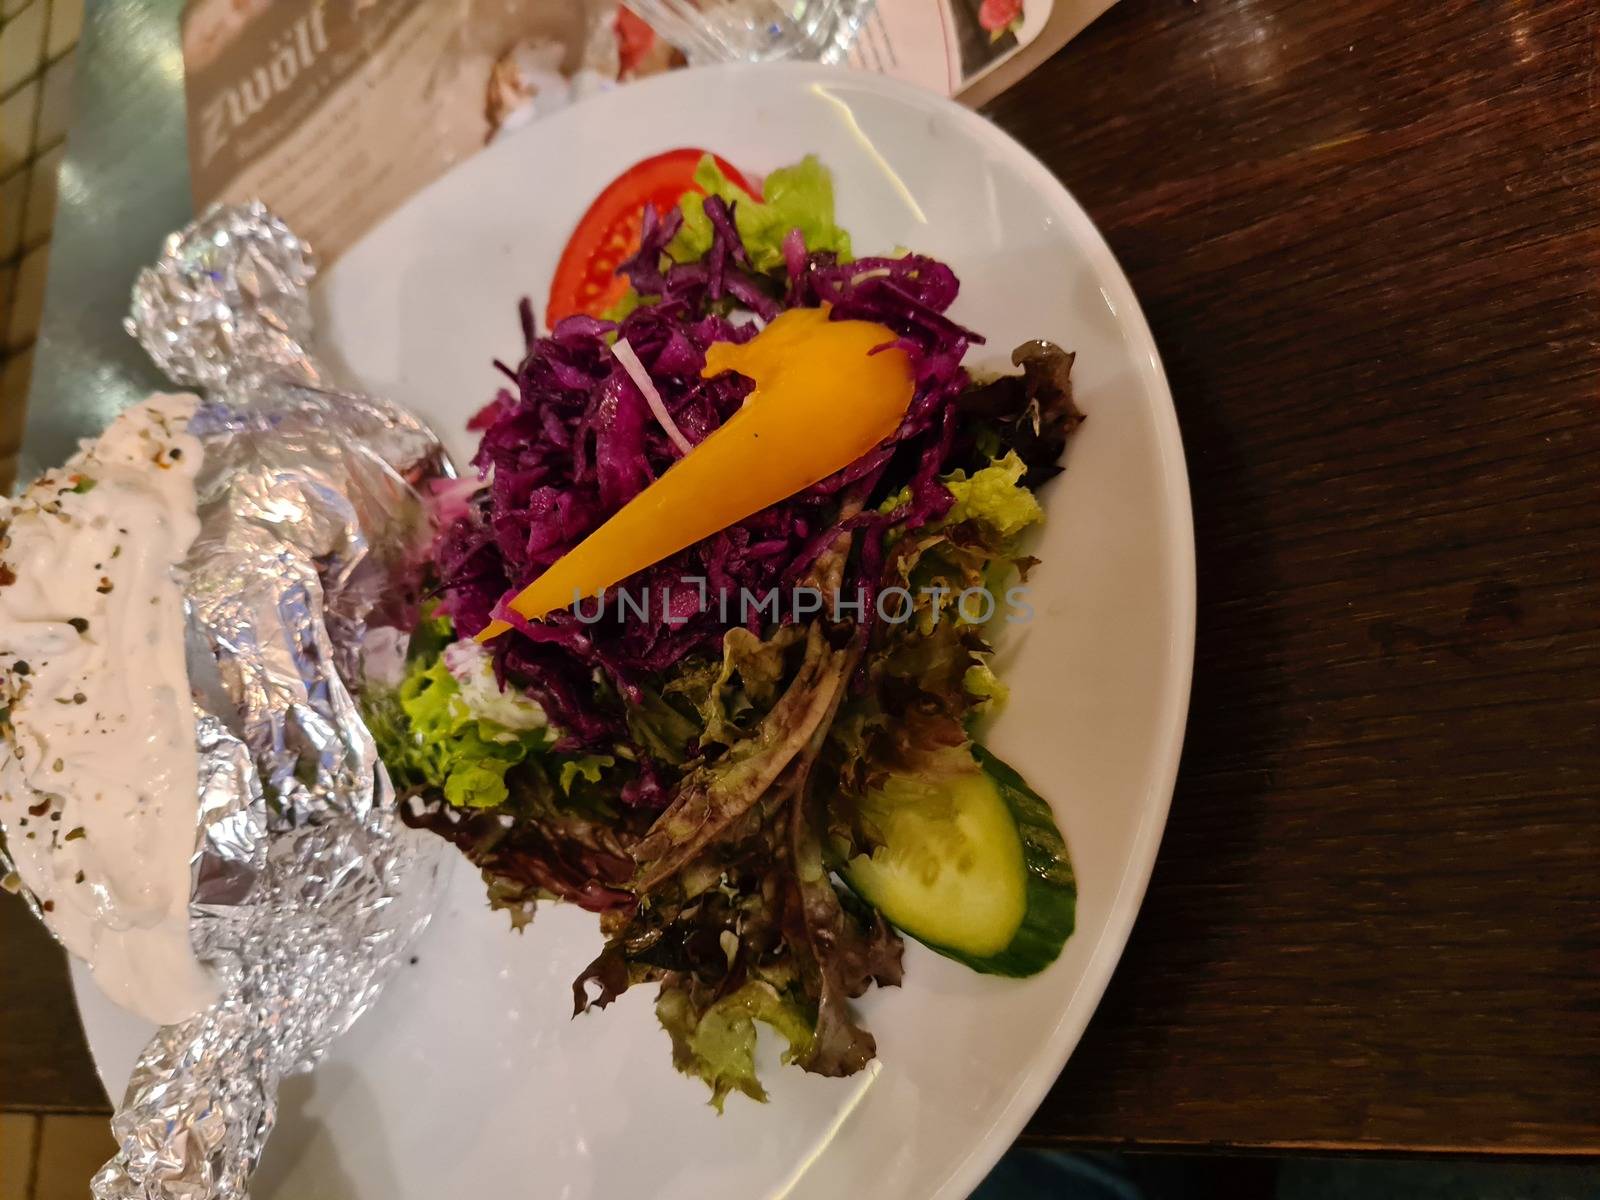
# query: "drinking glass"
{"points": [[711, 31]]}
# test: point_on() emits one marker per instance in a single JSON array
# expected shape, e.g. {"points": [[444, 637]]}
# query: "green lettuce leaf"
{"points": [[659, 727], [628, 301], [717, 1043], [477, 783], [732, 695], [974, 545], [588, 768], [983, 685], [798, 197], [428, 736], [994, 497], [432, 634], [391, 732]]}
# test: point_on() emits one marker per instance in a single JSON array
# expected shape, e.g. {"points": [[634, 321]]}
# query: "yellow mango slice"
{"points": [[821, 401]]}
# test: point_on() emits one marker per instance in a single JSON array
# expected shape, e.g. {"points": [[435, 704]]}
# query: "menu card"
{"points": [[335, 111]]}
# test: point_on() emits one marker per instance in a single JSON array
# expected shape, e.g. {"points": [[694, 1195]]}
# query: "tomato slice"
{"points": [[586, 279]]}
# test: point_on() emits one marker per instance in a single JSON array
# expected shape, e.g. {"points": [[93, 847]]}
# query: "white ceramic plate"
{"points": [[469, 1079]]}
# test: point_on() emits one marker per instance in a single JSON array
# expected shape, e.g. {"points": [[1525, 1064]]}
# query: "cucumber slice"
{"points": [[950, 871], [971, 865], [1052, 887]]}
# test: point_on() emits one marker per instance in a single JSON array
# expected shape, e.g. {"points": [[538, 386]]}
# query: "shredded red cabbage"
{"points": [[573, 440]]}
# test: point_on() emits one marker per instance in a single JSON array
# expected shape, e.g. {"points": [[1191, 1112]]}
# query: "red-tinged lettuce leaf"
{"points": [[717, 922], [609, 973], [536, 847], [838, 953], [714, 795], [1032, 414]]}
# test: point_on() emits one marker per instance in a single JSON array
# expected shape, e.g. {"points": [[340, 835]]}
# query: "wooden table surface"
{"points": [[1367, 236]]}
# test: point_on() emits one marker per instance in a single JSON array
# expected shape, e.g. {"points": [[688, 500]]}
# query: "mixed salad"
{"points": [[764, 772]]}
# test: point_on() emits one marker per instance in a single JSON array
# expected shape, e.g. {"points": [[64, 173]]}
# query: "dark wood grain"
{"points": [[44, 1064], [1367, 236]]}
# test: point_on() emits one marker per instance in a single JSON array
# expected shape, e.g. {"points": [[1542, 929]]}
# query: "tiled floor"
{"points": [[52, 1157], [37, 40]]}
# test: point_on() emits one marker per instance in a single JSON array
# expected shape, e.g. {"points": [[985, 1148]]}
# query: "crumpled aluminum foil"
{"points": [[306, 886]]}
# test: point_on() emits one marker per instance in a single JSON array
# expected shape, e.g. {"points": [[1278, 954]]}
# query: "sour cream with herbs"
{"points": [[98, 766]]}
